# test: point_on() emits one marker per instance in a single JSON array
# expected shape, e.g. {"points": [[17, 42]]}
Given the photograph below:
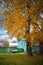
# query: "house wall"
{"points": [[22, 45], [1, 45]]}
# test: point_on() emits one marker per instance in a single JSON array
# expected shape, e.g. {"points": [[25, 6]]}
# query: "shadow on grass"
{"points": [[20, 59]]}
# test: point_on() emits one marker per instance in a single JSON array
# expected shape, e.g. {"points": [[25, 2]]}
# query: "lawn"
{"points": [[20, 59]]}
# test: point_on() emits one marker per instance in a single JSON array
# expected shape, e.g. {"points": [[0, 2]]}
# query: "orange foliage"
{"points": [[17, 23]]}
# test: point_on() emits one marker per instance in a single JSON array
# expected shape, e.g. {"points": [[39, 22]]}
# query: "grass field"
{"points": [[20, 59]]}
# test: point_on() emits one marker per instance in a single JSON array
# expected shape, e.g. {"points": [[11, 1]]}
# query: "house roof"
{"points": [[2, 41], [13, 44]]}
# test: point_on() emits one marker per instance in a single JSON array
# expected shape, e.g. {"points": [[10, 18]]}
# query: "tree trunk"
{"points": [[41, 50], [29, 49]]}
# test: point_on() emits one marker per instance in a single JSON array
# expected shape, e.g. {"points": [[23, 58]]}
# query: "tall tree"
{"points": [[23, 20]]}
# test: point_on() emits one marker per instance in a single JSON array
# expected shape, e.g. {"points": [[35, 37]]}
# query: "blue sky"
{"points": [[3, 34]]}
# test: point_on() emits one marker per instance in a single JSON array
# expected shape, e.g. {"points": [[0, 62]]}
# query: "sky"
{"points": [[1, 13], [3, 34]]}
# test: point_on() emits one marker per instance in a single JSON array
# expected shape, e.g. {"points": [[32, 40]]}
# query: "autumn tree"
{"points": [[23, 20]]}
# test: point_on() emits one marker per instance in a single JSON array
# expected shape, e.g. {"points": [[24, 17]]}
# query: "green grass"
{"points": [[1, 51], [20, 59]]}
